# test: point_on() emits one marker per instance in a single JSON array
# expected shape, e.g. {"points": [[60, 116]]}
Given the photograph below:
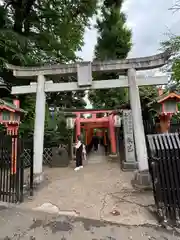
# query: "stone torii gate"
{"points": [[125, 68]]}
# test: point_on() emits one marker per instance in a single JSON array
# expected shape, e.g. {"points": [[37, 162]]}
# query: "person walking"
{"points": [[79, 154], [95, 142]]}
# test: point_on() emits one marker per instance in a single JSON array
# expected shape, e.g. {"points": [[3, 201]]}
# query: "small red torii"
{"points": [[105, 122]]}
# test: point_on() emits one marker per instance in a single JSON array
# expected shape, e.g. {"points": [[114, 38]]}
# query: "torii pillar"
{"points": [[138, 127], [39, 129], [142, 177]]}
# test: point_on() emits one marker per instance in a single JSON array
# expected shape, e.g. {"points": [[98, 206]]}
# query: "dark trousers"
{"points": [[79, 156], [78, 161], [95, 146], [106, 149]]}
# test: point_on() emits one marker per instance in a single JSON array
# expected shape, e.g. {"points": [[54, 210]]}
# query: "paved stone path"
{"points": [[97, 157], [99, 191], [18, 224]]}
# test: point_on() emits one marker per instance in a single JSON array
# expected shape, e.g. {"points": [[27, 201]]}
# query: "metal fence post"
{"points": [[31, 182], [21, 159]]}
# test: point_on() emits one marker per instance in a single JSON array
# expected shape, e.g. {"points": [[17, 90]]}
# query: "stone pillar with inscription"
{"points": [[142, 177], [129, 162]]}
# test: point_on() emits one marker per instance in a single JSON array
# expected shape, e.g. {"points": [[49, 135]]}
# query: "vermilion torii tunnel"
{"points": [[101, 120]]}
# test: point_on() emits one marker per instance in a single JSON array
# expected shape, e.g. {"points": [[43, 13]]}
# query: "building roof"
{"points": [[168, 95], [165, 96], [10, 107]]}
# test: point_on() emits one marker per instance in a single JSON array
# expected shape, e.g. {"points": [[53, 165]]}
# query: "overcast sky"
{"points": [[150, 22]]}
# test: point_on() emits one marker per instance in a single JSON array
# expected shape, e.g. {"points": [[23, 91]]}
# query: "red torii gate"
{"points": [[106, 122]]}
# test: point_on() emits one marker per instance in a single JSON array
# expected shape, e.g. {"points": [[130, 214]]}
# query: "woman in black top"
{"points": [[79, 153]]}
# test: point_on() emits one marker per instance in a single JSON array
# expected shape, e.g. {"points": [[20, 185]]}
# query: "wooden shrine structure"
{"points": [[10, 115], [166, 105]]}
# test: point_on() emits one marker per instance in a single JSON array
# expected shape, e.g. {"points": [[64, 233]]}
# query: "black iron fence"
{"points": [[174, 127], [10, 172], [164, 165], [13, 172], [150, 127]]}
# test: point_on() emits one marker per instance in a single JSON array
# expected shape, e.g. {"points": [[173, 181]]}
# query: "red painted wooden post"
{"points": [[16, 102], [112, 135]]}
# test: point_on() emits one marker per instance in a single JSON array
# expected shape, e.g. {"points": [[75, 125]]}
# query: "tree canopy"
{"points": [[173, 65], [173, 45], [147, 94], [44, 31], [114, 42], [38, 32]]}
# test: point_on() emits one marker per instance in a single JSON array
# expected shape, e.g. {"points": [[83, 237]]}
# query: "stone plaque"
{"points": [[128, 136], [84, 74]]}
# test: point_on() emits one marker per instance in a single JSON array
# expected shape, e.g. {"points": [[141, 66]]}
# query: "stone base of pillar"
{"points": [[113, 155], [38, 178], [142, 180], [129, 166]]}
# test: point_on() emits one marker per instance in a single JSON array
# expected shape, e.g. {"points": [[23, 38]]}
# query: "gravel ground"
{"points": [[17, 223]]}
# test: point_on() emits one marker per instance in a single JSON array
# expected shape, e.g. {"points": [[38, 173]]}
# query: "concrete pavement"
{"points": [[19, 224], [95, 203], [99, 191]]}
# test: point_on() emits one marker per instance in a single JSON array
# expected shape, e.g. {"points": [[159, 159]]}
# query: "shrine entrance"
{"points": [[113, 129], [87, 121], [126, 69], [97, 137]]}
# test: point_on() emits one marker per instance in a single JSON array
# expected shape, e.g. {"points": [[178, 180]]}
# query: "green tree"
{"points": [[173, 64], [147, 94], [45, 32], [173, 45], [27, 122], [176, 6], [114, 42], [42, 32]]}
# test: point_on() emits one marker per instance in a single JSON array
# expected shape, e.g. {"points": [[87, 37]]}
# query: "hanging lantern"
{"points": [[117, 121], [52, 112], [70, 123]]}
